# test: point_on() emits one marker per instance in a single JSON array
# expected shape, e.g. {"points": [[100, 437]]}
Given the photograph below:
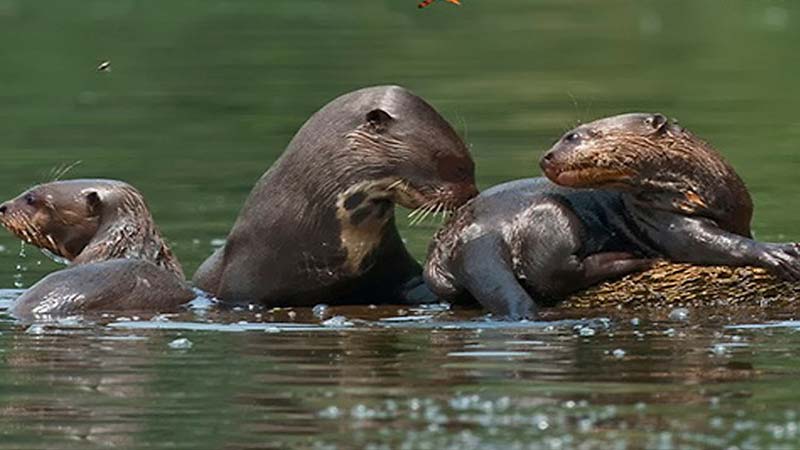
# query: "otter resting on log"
{"points": [[118, 259], [626, 191]]}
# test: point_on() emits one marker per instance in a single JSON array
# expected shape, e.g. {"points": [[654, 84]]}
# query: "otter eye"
{"points": [[572, 137], [30, 199]]}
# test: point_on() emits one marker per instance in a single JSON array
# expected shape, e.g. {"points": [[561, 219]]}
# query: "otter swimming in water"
{"points": [[319, 224], [118, 259], [620, 193]]}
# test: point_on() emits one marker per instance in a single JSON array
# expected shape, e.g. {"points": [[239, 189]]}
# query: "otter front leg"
{"points": [[483, 267], [700, 241]]}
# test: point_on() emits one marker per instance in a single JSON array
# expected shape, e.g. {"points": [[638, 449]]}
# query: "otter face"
{"points": [[61, 216], [408, 150], [620, 151]]}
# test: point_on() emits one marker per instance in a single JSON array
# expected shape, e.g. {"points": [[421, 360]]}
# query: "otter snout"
{"points": [[3, 208], [550, 165]]}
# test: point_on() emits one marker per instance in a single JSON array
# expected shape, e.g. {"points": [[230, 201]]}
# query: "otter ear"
{"points": [[93, 200], [658, 121], [379, 119]]}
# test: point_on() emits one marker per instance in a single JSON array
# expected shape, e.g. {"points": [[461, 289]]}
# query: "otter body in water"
{"points": [[319, 224], [630, 189], [118, 259]]}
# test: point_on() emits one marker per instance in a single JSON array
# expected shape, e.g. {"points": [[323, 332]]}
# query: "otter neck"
{"points": [[127, 231], [688, 177]]}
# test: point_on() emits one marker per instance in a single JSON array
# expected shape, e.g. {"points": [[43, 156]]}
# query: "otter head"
{"points": [[625, 151], [373, 148], [61, 217], [663, 165], [401, 149]]}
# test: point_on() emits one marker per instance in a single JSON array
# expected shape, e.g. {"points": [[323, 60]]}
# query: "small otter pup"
{"points": [[319, 224], [629, 189], [118, 259]]}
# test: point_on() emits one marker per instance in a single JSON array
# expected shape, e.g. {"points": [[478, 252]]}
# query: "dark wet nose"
{"points": [[547, 160], [3, 208]]}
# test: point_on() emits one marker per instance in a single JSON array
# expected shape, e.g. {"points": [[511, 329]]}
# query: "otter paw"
{"points": [[782, 260]]}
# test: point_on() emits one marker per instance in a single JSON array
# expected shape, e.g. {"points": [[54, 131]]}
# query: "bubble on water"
{"points": [[36, 329], [337, 321], [320, 311], [635, 321], [180, 344], [618, 353], [586, 331], [541, 422], [679, 315], [719, 350], [331, 412]]}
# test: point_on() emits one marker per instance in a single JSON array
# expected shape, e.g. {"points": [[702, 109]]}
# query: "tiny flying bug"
{"points": [[425, 3]]}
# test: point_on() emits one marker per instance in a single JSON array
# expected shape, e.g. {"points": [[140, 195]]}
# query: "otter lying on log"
{"points": [[118, 259], [629, 190]]}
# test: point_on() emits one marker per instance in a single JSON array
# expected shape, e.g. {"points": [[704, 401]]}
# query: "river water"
{"points": [[203, 95]]}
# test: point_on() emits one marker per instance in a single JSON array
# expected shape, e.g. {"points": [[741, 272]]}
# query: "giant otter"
{"points": [[118, 259], [319, 224], [630, 189]]}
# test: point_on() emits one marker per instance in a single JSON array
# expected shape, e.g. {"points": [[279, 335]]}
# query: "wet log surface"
{"points": [[669, 285]]}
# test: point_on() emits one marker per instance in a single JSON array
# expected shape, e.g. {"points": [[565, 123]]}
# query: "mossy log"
{"points": [[684, 285]]}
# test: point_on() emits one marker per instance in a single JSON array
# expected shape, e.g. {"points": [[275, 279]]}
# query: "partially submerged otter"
{"points": [[634, 188], [118, 259], [319, 224]]}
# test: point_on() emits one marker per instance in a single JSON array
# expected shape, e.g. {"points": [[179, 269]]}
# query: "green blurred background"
{"points": [[203, 95]]}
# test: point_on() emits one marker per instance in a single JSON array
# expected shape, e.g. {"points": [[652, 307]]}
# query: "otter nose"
{"points": [[3, 208], [547, 158]]}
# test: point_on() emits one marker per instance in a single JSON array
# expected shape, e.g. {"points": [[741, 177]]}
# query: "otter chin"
{"points": [[319, 225], [118, 260], [619, 194], [587, 177]]}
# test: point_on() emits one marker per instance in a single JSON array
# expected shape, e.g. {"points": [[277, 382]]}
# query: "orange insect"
{"points": [[425, 3]]}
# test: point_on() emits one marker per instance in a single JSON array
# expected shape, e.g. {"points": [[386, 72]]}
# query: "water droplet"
{"points": [[181, 344], [679, 314], [320, 311], [337, 321]]}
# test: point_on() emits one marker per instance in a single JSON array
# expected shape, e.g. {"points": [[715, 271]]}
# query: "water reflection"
{"points": [[452, 380]]}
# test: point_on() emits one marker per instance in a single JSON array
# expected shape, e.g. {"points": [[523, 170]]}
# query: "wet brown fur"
{"points": [[700, 182], [669, 168], [119, 226]]}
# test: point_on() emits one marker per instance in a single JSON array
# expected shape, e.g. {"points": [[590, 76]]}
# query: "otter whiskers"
{"points": [[432, 208]]}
